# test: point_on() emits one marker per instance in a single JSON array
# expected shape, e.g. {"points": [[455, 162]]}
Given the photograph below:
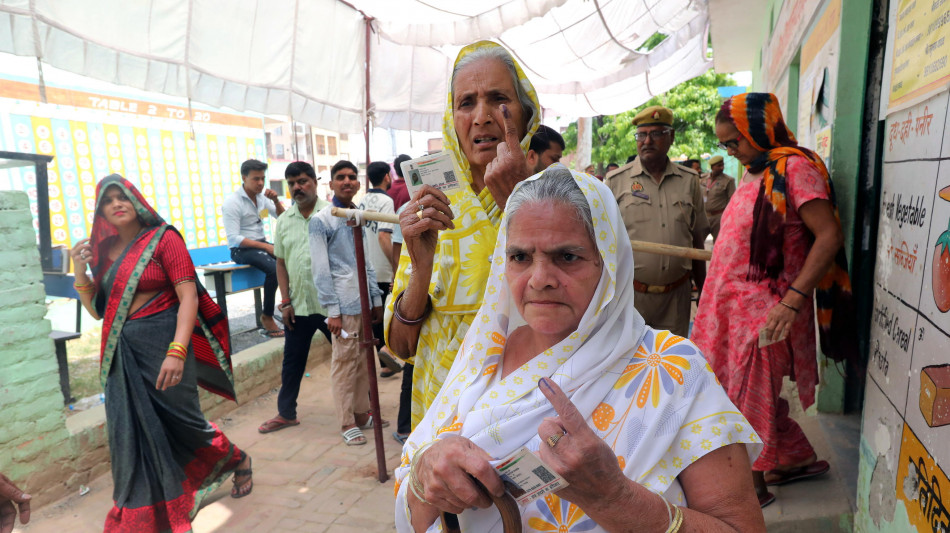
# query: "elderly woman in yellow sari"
{"points": [[491, 113]]}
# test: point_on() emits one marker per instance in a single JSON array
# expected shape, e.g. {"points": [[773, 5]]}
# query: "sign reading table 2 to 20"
{"points": [[184, 173]]}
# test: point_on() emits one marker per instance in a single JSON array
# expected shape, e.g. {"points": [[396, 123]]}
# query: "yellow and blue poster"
{"points": [[185, 161]]}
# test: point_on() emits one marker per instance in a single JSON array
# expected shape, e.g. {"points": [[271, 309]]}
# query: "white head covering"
{"points": [[475, 403]]}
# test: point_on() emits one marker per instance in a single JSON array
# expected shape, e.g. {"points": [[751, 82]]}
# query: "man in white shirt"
{"points": [[379, 242], [244, 211]]}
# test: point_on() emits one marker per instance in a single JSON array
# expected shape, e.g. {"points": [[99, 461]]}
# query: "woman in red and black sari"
{"points": [[162, 337]]}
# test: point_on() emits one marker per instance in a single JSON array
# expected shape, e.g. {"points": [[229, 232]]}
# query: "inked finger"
{"points": [[571, 418], [511, 129]]}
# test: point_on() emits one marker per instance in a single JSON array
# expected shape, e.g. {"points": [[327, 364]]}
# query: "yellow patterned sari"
{"points": [[461, 265]]}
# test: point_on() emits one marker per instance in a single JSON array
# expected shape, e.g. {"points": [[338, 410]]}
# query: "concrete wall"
{"points": [[41, 450]]}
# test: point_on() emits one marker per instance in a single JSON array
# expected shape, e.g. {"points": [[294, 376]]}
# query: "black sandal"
{"points": [[236, 490]]}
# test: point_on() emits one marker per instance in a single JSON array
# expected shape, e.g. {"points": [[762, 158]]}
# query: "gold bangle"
{"points": [[416, 490], [677, 520], [414, 483]]}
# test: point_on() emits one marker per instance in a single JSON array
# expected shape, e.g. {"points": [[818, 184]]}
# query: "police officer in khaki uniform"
{"points": [[718, 188], [661, 202]]}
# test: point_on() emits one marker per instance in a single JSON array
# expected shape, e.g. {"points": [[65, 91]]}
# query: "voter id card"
{"points": [[527, 477], [437, 170], [764, 339]]}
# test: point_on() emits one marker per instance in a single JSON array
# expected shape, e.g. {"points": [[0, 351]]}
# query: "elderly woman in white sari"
{"points": [[558, 360]]}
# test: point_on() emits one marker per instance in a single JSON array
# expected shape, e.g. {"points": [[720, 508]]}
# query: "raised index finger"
{"points": [[511, 129], [572, 419]]}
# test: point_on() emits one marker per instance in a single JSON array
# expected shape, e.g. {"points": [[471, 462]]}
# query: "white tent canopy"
{"points": [[306, 58]]}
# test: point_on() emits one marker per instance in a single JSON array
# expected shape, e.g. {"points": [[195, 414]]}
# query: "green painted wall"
{"points": [[846, 154], [33, 430], [845, 143]]}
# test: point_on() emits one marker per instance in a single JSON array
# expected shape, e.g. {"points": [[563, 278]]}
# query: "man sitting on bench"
{"points": [[244, 211]]}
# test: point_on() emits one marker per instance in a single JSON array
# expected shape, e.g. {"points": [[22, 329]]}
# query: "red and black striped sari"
{"points": [[165, 455]]}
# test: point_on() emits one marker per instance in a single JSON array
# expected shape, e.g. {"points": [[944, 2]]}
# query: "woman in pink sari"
{"points": [[780, 243]]}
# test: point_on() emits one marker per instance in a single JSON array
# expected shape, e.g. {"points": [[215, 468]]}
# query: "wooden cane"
{"points": [[506, 504], [638, 246]]}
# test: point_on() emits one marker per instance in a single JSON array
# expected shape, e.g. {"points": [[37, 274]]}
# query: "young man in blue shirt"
{"points": [[333, 262]]}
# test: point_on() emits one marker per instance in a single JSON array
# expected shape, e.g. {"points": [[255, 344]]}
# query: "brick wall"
{"points": [[34, 442]]}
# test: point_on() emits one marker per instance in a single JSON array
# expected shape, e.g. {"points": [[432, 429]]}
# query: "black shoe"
{"points": [[387, 373]]}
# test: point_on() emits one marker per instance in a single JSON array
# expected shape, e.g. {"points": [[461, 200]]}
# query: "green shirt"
{"points": [[292, 244]]}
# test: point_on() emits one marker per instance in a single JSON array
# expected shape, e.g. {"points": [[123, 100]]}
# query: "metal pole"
{"points": [[367, 343]]}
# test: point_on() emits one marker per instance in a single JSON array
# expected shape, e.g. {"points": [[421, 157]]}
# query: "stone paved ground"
{"points": [[305, 478]]}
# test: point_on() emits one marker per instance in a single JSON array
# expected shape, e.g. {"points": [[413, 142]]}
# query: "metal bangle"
{"points": [[413, 322], [788, 306]]}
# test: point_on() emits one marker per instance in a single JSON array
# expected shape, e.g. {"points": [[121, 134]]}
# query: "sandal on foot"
{"points": [[276, 424], [238, 490], [369, 423], [272, 333], [353, 437], [387, 360], [400, 438], [766, 499], [781, 477]]}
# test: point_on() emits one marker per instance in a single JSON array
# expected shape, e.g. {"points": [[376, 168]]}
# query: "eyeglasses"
{"points": [[730, 145], [656, 135]]}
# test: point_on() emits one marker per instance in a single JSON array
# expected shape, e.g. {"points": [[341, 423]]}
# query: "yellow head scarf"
{"points": [[450, 139]]}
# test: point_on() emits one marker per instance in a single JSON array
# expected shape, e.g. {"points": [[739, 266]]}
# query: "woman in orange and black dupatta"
{"points": [[165, 455], [778, 256]]}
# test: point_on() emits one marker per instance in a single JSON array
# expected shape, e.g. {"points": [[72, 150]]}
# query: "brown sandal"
{"points": [[276, 424], [238, 490], [781, 477]]}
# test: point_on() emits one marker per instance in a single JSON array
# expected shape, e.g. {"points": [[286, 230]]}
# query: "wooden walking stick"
{"points": [[506, 504], [368, 343]]}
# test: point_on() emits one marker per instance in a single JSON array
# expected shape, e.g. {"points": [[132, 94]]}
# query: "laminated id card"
{"points": [[437, 170], [526, 477]]}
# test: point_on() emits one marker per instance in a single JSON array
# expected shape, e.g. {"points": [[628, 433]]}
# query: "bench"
{"points": [[60, 338], [223, 277]]}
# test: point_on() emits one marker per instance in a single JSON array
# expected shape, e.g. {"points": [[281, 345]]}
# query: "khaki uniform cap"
{"points": [[655, 115], [715, 159]]}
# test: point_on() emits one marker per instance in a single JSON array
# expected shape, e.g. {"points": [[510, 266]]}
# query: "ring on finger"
{"points": [[419, 213], [552, 440]]}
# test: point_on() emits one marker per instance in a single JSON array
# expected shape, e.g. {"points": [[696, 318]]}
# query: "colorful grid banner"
{"points": [[183, 168]]}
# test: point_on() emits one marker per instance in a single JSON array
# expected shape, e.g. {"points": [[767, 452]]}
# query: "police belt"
{"points": [[659, 289]]}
